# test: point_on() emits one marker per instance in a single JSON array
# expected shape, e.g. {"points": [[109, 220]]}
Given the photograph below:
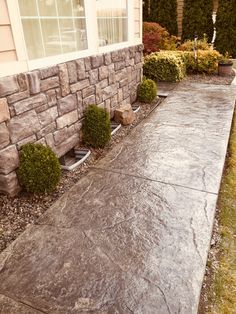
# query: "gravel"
{"points": [[25, 209], [211, 79]]}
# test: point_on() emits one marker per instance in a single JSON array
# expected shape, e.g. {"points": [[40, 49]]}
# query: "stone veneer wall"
{"points": [[47, 105]]}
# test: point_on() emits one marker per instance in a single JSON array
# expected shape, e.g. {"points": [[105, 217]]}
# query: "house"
{"points": [[56, 58]]}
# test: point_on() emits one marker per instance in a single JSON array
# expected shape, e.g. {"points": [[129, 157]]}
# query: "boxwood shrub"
{"points": [[147, 91], [96, 127], [39, 170], [164, 66]]}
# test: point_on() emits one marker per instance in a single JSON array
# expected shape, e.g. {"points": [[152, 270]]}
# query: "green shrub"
{"points": [[164, 66], [147, 91], [96, 127], [207, 61], [225, 27], [188, 45], [39, 170], [167, 15], [156, 37], [197, 19]]}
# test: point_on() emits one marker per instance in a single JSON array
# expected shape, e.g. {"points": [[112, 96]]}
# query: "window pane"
{"points": [[64, 7], [32, 38], [68, 38], [111, 8], [112, 30], [51, 37], [28, 7], [47, 7], [112, 21], [81, 34], [78, 7]]}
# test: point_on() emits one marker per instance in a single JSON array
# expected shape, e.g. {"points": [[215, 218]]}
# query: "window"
{"points": [[53, 27], [112, 21]]}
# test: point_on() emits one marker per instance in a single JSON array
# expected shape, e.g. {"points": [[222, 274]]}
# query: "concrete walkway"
{"points": [[133, 235]]}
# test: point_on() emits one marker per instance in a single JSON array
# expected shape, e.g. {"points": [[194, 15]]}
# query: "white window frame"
{"points": [[24, 64]]}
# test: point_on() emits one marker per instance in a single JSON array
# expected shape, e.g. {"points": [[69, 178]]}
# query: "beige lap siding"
{"points": [[7, 46]]}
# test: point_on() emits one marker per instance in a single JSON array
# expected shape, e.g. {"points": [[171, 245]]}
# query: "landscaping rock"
{"points": [[124, 115]]}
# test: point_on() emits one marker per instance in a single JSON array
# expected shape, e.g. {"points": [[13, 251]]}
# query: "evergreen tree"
{"points": [[197, 19], [167, 15], [226, 27], [146, 11], [154, 6]]}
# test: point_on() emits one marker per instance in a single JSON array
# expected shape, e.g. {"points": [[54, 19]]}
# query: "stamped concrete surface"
{"points": [[132, 236]]}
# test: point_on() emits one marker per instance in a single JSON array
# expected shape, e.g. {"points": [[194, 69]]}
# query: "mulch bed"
{"points": [[18, 212]]}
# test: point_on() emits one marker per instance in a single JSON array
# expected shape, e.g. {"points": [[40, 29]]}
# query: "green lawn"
{"points": [[234, 64], [222, 294]]}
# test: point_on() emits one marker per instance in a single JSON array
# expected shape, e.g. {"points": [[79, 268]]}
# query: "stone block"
{"points": [[23, 126], [9, 159], [109, 91], [138, 57], [79, 86], [102, 84], [18, 96], [8, 86], [48, 72], [22, 81], [88, 101], [46, 130], [120, 95], [81, 69], [9, 184], [4, 135], [126, 91], [64, 79], [48, 116], [72, 72], [4, 110], [60, 136], [99, 98], [107, 58], [67, 119], [87, 63], [49, 83], [29, 103], [67, 104], [123, 82], [51, 97], [96, 61], [34, 82], [66, 145], [30, 139], [103, 72], [93, 76], [119, 65], [88, 91], [41, 108], [124, 115]]}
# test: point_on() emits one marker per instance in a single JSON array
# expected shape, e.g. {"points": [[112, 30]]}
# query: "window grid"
{"points": [[76, 46]]}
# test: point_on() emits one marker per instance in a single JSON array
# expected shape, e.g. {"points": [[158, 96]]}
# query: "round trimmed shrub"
{"points": [[164, 66], [96, 127], [39, 170], [147, 91]]}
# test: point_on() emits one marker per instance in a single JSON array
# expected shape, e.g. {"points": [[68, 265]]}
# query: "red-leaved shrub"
{"points": [[156, 38]]}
